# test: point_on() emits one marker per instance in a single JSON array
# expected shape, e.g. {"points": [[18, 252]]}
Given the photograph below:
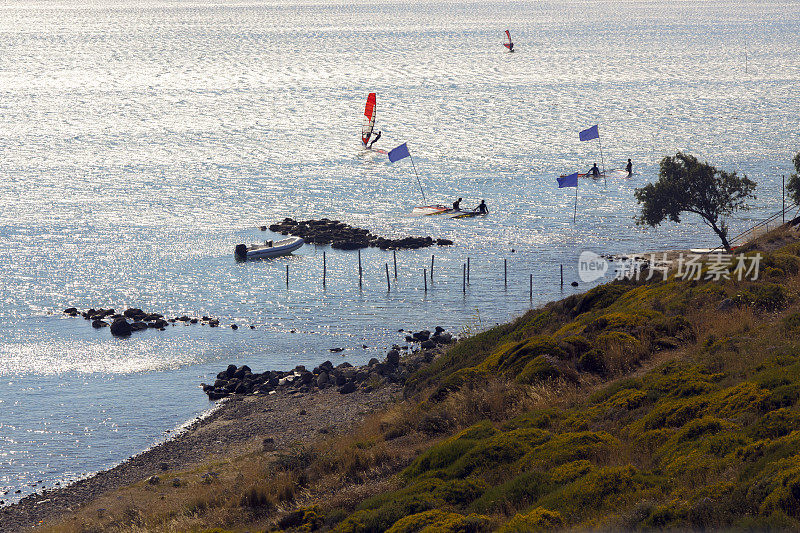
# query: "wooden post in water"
{"points": [[425, 278], [431, 269], [359, 268], [287, 274], [394, 255], [388, 287], [464, 278], [783, 197], [505, 272], [324, 269], [530, 289], [467, 270], [562, 277]]}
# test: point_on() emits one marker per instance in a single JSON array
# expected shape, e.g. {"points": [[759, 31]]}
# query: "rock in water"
{"points": [[121, 328]]}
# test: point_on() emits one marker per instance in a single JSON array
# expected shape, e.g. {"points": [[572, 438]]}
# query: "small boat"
{"points": [[268, 249], [613, 173], [465, 214]]}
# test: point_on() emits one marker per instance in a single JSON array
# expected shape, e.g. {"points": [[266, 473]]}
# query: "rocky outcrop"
{"points": [[346, 237], [134, 319], [345, 377]]}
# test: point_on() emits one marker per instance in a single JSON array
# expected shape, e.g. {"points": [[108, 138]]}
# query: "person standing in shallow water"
{"points": [[629, 168], [481, 209]]}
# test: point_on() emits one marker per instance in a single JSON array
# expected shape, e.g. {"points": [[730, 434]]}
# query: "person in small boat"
{"points": [[374, 140], [457, 205], [481, 209], [629, 168], [594, 171]]}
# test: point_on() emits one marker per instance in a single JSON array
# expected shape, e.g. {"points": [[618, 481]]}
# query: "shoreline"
{"points": [[238, 425]]}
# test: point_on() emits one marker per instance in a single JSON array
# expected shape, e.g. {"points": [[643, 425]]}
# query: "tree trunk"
{"points": [[722, 234]]}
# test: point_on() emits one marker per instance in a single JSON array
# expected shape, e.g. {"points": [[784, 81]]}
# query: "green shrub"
{"points": [[565, 447], [569, 472], [538, 369], [539, 519], [621, 384], [592, 361], [519, 491], [776, 424], [764, 295], [442, 522], [460, 492], [450, 450]]}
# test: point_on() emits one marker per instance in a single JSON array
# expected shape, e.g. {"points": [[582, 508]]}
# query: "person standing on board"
{"points": [[481, 209], [457, 205], [629, 168], [594, 171], [378, 136]]}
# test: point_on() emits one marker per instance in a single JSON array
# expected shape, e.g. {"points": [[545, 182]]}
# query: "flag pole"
{"points": [[602, 161], [418, 182], [575, 212]]}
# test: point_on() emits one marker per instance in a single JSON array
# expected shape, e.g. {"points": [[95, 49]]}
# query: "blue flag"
{"points": [[398, 153], [568, 181], [589, 134]]}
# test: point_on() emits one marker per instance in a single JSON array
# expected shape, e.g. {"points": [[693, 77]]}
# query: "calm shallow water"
{"points": [[139, 145]]}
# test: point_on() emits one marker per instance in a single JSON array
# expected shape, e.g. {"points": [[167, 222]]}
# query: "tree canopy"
{"points": [[794, 181], [685, 185]]}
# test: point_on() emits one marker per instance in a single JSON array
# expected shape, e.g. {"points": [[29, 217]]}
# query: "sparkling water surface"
{"points": [[140, 144]]}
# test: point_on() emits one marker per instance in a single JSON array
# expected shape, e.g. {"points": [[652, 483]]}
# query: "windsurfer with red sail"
{"points": [[375, 139], [509, 44]]}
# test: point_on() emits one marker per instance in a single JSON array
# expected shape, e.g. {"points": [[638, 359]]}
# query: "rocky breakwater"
{"points": [[346, 237], [133, 319], [345, 377]]}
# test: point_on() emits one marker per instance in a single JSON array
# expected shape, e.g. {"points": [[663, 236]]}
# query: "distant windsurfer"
{"points": [[375, 139], [629, 168], [594, 171], [457, 205], [481, 209]]}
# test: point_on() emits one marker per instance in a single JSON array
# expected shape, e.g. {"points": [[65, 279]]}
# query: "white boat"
{"points": [[268, 249]]}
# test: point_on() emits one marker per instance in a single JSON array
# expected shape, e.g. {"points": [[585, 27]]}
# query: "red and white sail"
{"points": [[508, 44], [369, 119]]}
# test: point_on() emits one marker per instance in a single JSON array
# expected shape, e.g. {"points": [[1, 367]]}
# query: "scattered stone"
{"points": [[121, 328], [347, 388], [154, 480], [345, 237]]}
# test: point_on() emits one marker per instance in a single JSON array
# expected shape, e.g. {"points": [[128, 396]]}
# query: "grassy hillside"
{"points": [[653, 405]]}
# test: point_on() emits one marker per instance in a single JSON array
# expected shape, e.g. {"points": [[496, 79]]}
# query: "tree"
{"points": [[685, 185], [794, 181]]}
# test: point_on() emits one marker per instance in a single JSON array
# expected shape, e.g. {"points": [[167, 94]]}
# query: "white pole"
{"points": [[575, 213], [602, 161], [418, 182]]}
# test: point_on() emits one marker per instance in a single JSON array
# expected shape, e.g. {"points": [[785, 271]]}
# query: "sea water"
{"points": [[139, 145]]}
